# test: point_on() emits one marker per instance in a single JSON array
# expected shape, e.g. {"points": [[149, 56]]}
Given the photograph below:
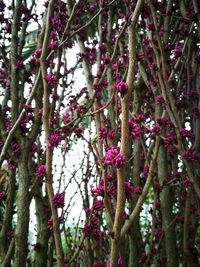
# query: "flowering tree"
{"points": [[137, 116]]}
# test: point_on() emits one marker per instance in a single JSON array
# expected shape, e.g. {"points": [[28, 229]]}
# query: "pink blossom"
{"points": [[51, 80], [98, 205], [113, 157], [138, 190], [98, 191], [15, 149], [59, 200], [187, 133], [20, 64], [160, 99], [50, 222], [111, 134], [135, 130], [156, 129], [66, 117], [102, 133], [191, 155], [122, 87], [54, 139], [41, 171], [145, 171]]}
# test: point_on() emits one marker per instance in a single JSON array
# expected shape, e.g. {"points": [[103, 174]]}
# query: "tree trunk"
{"points": [[21, 232], [43, 233], [167, 215]]}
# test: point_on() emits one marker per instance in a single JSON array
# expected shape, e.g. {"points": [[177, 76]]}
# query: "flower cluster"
{"points": [[51, 80], [106, 134], [50, 222], [135, 129], [54, 139], [41, 171], [190, 154], [15, 149], [113, 157], [92, 227], [58, 22], [59, 200], [187, 133], [122, 87]]}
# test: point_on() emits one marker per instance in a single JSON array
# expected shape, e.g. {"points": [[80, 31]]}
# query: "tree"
{"points": [[137, 116]]}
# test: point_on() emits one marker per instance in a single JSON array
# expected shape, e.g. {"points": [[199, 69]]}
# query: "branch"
{"points": [[18, 121], [142, 197]]}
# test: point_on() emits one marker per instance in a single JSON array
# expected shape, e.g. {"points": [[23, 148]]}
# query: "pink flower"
{"points": [[20, 63], [191, 155], [102, 133], [171, 150], [111, 134], [119, 160], [129, 189], [54, 139], [98, 191], [98, 205], [59, 200], [41, 171], [122, 87], [187, 182], [51, 80], [15, 149], [50, 222], [160, 100], [145, 171], [135, 129], [66, 117], [187, 133], [138, 190], [113, 157], [150, 25], [156, 129]]}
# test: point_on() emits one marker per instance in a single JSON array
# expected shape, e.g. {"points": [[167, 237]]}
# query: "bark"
{"points": [[135, 238], [21, 232], [7, 220], [125, 135], [49, 151], [167, 215], [43, 233]]}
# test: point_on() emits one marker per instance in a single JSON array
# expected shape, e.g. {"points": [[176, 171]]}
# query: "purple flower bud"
{"points": [[187, 133], [41, 171], [113, 157], [51, 80], [54, 139], [122, 87], [59, 200], [138, 190]]}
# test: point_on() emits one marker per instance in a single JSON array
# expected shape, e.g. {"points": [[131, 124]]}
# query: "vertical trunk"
{"points": [[43, 232], [50, 253], [21, 232], [7, 220], [135, 239], [167, 215]]}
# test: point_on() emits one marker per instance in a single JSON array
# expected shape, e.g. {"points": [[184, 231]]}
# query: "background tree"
{"points": [[133, 126]]}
